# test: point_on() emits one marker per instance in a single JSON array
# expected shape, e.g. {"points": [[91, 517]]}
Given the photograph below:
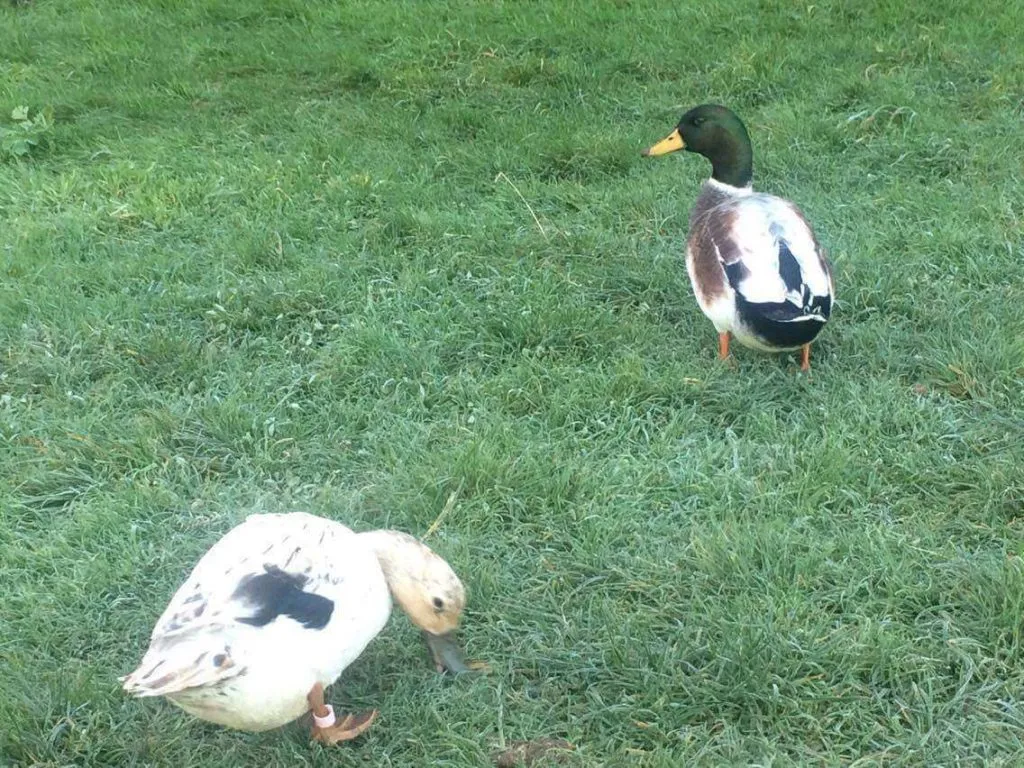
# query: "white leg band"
{"points": [[327, 720]]}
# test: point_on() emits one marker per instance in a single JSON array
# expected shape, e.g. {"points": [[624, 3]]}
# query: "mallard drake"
{"points": [[755, 265], [279, 607]]}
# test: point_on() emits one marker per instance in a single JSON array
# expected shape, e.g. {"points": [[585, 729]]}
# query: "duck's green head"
{"points": [[717, 133]]}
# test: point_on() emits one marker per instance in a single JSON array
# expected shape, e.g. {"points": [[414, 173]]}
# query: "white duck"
{"points": [[755, 265], [279, 607]]}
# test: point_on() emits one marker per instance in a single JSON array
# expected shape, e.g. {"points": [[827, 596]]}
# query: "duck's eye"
{"points": [[438, 604], [699, 121]]}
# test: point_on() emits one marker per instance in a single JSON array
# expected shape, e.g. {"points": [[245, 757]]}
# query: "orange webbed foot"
{"points": [[327, 727]]}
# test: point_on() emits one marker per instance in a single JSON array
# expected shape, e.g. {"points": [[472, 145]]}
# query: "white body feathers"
{"points": [[220, 653]]}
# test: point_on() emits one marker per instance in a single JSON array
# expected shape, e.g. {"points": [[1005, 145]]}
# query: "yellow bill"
{"points": [[671, 143]]}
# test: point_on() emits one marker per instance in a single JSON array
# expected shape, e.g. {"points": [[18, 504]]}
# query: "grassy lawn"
{"points": [[391, 262]]}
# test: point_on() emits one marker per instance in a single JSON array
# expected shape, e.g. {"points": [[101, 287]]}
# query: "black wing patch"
{"points": [[736, 273], [277, 593], [789, 268], [789, 271]]}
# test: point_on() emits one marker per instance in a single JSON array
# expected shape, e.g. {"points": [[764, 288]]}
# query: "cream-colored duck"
{"points": [[755, 265], [279, 607]]}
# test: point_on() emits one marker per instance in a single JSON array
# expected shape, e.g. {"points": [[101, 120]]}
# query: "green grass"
{"points": [[277, 255]]}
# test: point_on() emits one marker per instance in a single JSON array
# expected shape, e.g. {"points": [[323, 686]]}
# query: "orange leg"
{"points": [[723, 345], [805, 357], [329, 729]]}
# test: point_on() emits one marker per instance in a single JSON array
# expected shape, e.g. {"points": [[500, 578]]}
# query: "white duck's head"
{"points": [[426, 588]]}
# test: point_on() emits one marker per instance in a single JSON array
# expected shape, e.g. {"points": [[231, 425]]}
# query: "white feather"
{"points": [[761, 222]]}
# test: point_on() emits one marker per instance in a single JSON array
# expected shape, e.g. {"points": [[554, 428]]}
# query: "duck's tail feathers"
{"points": [[170, 669]]}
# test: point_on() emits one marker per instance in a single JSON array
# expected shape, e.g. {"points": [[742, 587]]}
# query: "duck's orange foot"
{"points": [[345, 729], [330, 729], [723, 345], [805, 358]]}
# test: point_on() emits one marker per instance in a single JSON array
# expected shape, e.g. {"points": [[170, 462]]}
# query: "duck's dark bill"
{"points": [[446, 653], [670, 143]]}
